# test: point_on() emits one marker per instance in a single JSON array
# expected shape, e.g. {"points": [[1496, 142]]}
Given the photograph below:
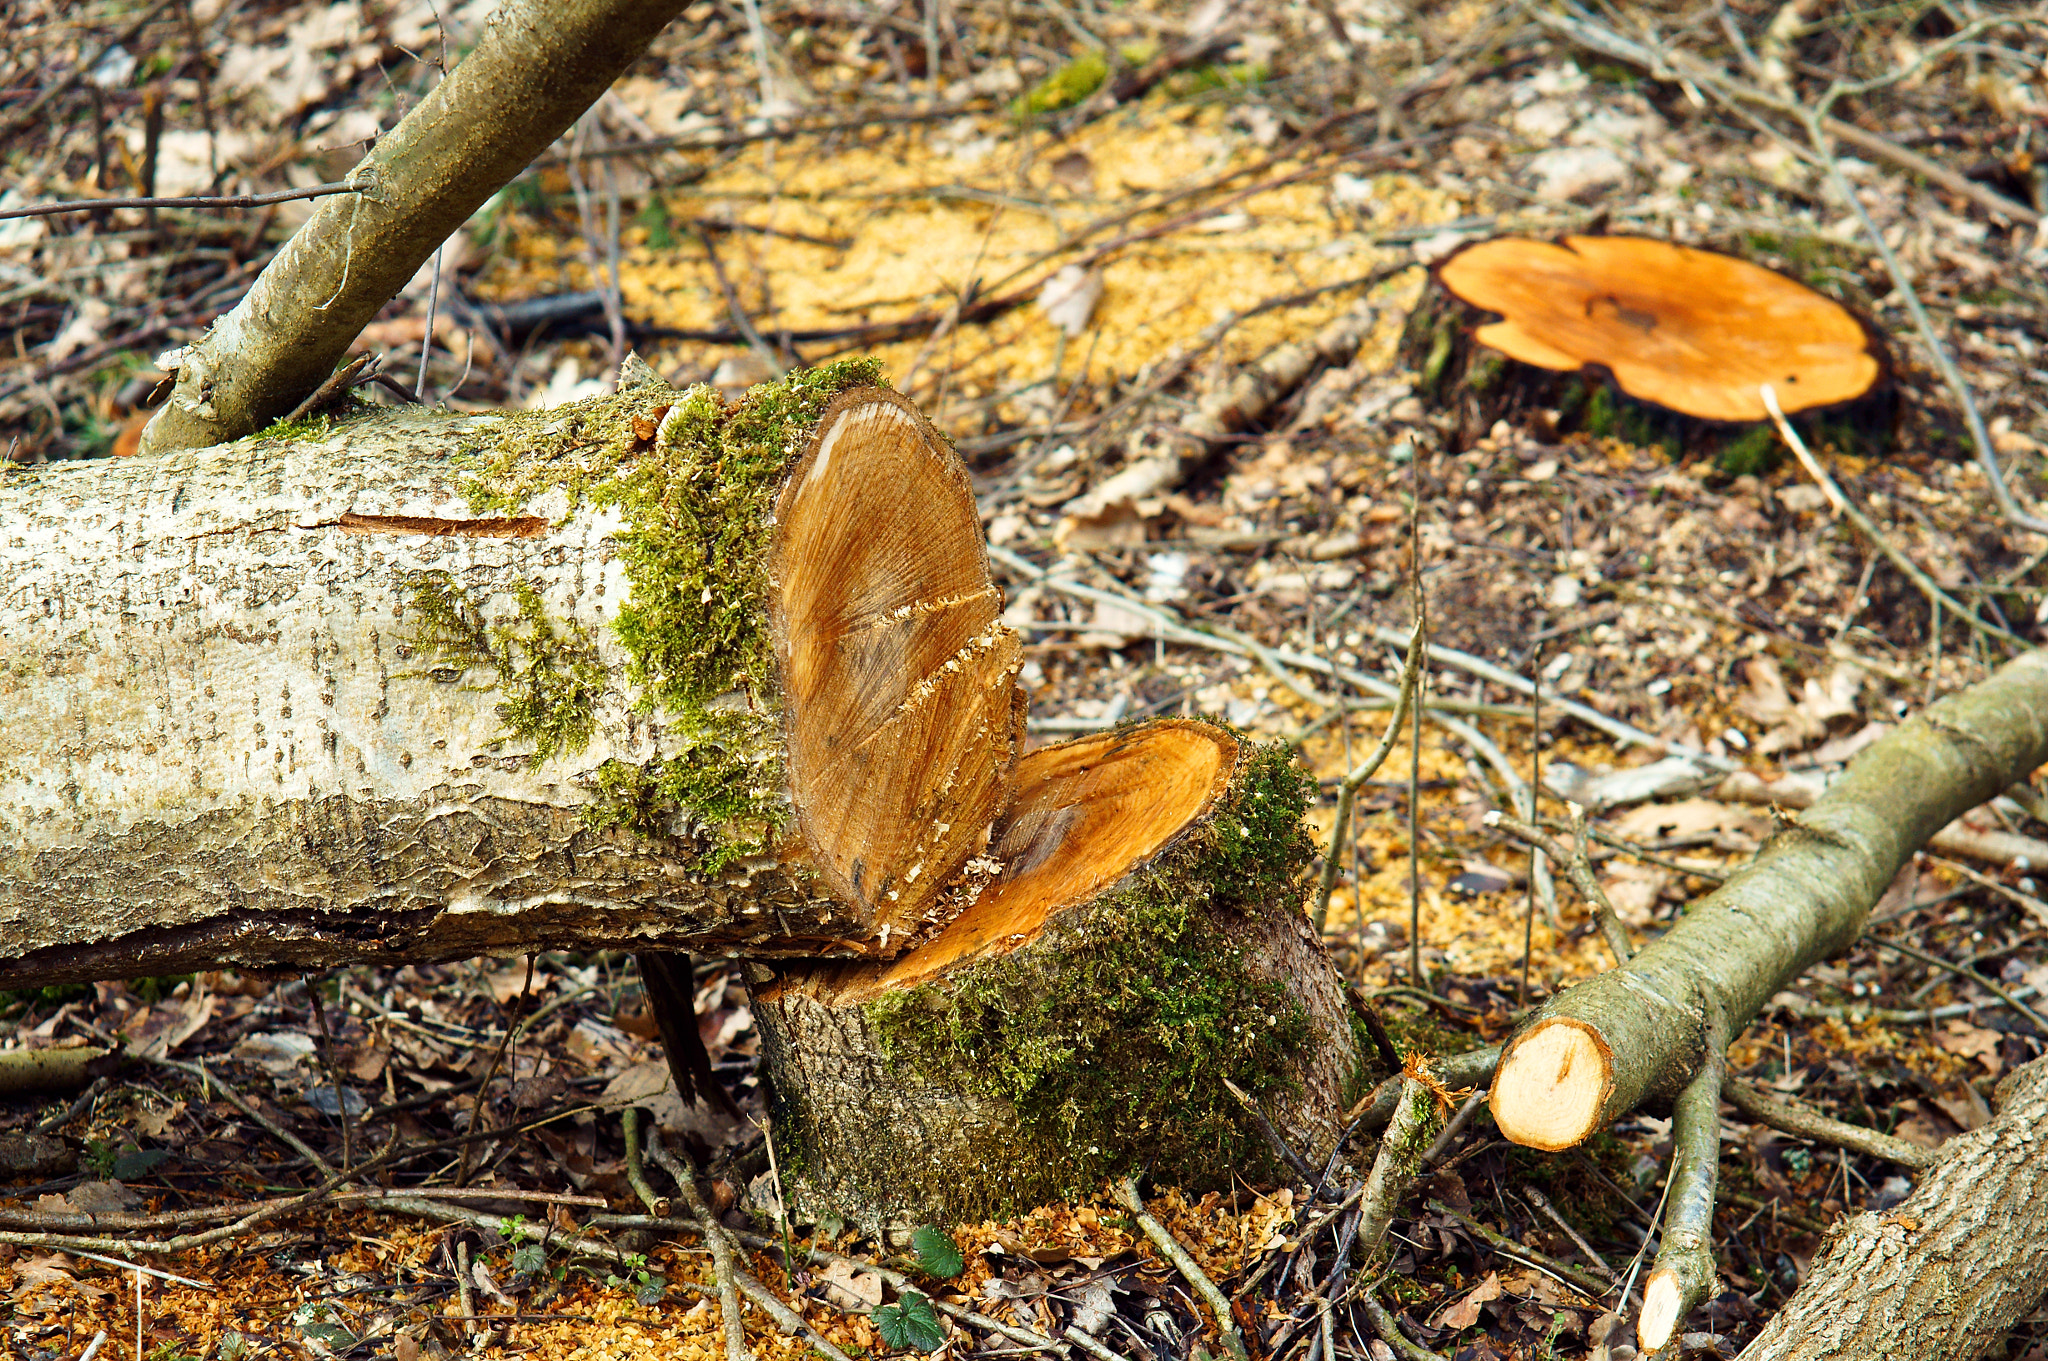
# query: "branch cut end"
{"points": [[1662, 1299], [1552, 1084]]}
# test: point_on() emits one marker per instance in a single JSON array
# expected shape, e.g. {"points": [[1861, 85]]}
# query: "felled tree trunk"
{"points": [[1944, 1274], [648, 670], [1143, 942], [1596, 1050]]}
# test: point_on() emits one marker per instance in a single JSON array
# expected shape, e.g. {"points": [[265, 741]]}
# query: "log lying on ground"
{"points": [[648, 670], [1944, 1274], [1595, 1051], [1143, 942], [1647, 339]]}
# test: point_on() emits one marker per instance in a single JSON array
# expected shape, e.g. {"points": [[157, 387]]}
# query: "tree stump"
{"points": [[1652, 341], [1142, 941]]}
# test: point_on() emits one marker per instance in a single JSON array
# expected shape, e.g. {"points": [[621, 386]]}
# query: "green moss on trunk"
{"points": [[694, 479], [1100, 1046]]}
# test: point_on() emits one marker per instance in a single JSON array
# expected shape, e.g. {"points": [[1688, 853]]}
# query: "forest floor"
{"points": [[1062, 227]]}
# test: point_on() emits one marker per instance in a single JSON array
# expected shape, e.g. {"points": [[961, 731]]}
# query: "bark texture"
{"points": [[1144, 941], [1944, 1274], [535, 68], [1596, 1050], [430, 687]]}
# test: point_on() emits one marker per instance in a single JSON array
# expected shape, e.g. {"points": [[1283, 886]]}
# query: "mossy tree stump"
{"points": [[1648, 340], [1142, 942]]}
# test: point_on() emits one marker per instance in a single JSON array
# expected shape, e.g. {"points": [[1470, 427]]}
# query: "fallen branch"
{"points": [[1684, 1273], [1595, 1051], [1791, 1118]]}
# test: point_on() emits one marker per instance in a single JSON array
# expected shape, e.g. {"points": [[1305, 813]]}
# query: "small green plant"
{"points": [[648, 1287], [153, 990], [1066, 87], [937, 1253], [660, 226], [122, 1163], [909, 1325]]}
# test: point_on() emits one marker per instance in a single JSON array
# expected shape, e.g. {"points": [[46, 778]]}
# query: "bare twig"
{"points": [[636, 1168], [1807, 1123], [1577, 1277], [1911, 570], [86, 205], [1226, 1328], [1347, 790], [1451, 1131], [358, 370], [716, 1237], [1281, 1148], [1390, 1332], [327, 1065], [2031, 1016], [1578, 871], [1598, 1263], [248, 1108]]}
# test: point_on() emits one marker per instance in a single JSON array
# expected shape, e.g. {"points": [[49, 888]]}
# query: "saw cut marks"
{"points": [[1087, 813], [903, 712], [1689, 330]]}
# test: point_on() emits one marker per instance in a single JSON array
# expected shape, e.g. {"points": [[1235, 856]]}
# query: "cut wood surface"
{"points": [[1596, 1050], [1142, 942], [1690, 330], [648, 670], [1942, 1275]]}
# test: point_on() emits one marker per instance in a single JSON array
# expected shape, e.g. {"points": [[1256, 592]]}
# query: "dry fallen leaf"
{"points": [[1465, 1312]]}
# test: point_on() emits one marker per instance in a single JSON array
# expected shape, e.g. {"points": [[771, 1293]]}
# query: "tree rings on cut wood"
{"points": [[1549, 1089], [1142, 941], [1642, 338], [898, 674]]}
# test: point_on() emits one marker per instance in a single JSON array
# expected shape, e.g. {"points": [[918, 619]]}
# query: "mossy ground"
{"points": [[695, 480], [1110, 1035]]}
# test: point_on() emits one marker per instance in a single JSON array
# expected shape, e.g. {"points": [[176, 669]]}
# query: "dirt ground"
{"points": [[1065, 228]]}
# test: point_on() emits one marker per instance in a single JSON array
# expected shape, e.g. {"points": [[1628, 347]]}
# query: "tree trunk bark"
{"points": [[646, 671], [1596, 1050], [1944, 1274], [1143, 942]]}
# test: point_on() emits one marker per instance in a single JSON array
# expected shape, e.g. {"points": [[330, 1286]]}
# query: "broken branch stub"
{"points": [[1598, 1049], [649, 670], [1077, 1019]]}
